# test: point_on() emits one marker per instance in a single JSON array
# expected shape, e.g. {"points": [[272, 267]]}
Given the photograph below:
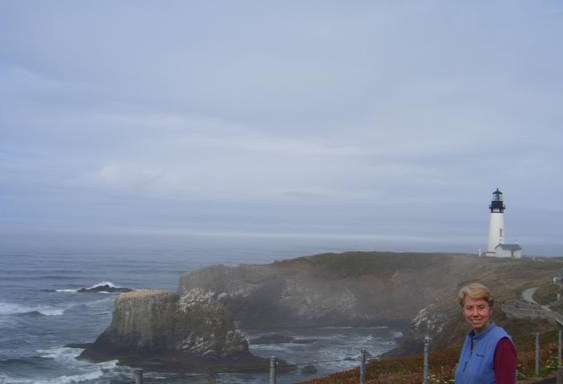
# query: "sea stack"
{"points": [[161, 330]]}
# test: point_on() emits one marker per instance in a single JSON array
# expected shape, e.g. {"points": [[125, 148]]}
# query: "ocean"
{"points": [[41, 309]]}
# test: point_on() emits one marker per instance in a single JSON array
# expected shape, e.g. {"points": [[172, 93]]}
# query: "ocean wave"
{"points": [[20, 362], [63, 354], [70, 379], [343, 327], [371, 338], [67, 290], [80, 371], [103, 283], [68, 357], [271, 347], [18, 309], [31, 314], [101, 287]]}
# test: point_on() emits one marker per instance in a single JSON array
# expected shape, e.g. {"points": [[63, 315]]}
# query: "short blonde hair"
{"points": [[476, 291]]}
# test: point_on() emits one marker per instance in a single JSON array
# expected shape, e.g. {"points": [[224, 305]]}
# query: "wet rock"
{"points": [[309, 370], [104, 288], [273, 338]]}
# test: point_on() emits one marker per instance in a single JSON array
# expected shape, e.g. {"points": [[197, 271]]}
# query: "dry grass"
{"points": [[143, 293], [408, 370]]}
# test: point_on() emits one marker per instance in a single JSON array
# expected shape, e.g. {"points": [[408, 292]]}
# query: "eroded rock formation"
{"points": [[163, 330]]}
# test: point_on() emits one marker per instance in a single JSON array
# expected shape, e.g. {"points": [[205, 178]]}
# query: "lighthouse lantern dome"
{"points": [[497, 204]]}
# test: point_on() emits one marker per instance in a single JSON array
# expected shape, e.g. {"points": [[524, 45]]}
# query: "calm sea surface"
{"points": [[40, 310]]}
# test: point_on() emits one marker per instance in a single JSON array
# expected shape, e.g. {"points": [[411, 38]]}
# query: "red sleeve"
{"points": [[505, 362]]}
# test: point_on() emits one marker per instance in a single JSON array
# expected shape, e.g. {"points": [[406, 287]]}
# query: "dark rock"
{"points": [[105, 288], [31, 314], [273, 338], [309, 370]]}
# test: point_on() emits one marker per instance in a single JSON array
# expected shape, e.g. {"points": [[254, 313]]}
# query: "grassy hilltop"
{"points": [[441, 318]]}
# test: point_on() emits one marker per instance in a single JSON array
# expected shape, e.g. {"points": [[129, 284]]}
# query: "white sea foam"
{"points": [[101, 284], [68, 357], [62, 354], [46, 310], [270, 347], [15, 309]]}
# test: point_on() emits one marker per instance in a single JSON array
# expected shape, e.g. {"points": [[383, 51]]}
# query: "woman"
{"points": [[488, 355]]}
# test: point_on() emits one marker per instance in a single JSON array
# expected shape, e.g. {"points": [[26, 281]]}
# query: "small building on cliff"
{"points": [[508, 250]]}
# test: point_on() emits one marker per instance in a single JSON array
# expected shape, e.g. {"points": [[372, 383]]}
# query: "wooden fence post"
{"points": [[273, 370], [537, 371], [138, 373], [425, 370], [363, 359], [560, 347], [560, 375]]}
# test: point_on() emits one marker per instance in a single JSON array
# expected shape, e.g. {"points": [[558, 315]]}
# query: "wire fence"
{"points": [[363, 361]]}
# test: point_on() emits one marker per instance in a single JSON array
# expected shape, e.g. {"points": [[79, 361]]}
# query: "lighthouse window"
{"points": [[501, 232]]}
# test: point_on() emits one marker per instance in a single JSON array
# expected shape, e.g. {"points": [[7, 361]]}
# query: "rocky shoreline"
{"points": [[199, 326]]}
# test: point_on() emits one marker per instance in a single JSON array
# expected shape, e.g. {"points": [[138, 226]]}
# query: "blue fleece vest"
{"points": [[476, 361]]}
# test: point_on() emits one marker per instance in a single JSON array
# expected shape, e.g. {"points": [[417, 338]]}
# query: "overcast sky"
{"points": [[389, 120]]}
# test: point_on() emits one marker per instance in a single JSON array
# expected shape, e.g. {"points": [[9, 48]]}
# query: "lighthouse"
{"points": [[496, 223], [496, 246]]}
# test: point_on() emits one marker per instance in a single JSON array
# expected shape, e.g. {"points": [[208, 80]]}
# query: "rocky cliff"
{"points": [[197, 327], [329, 289], [356, 288], [162, 330]]}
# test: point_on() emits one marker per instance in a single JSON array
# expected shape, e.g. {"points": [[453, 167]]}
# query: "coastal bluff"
{"points": [[415, 292], [198, 326], [351, 288]]}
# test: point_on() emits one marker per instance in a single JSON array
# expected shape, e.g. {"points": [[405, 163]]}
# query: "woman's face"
{"points": [[477, 313]]}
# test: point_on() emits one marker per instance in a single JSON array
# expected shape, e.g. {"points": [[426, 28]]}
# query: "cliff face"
{"points": [[442, 319], [330, 289], [369, 288], [195, 328], [169, 330]]}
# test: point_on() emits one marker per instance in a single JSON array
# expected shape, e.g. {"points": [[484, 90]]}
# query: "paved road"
{"points": [[528, 295]]}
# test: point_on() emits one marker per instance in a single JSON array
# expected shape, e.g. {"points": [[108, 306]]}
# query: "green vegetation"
{"points": [[547, 293], [355, 264], [408, 370]]}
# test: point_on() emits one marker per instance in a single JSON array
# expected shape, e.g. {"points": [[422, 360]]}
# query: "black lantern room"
{"points": [[497, 205]]}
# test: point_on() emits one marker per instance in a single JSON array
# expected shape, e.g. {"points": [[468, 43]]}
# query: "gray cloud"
{"points": [[356, 119]]}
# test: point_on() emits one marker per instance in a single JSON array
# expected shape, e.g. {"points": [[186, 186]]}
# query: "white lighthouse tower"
{"points": [[496, 224]]}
